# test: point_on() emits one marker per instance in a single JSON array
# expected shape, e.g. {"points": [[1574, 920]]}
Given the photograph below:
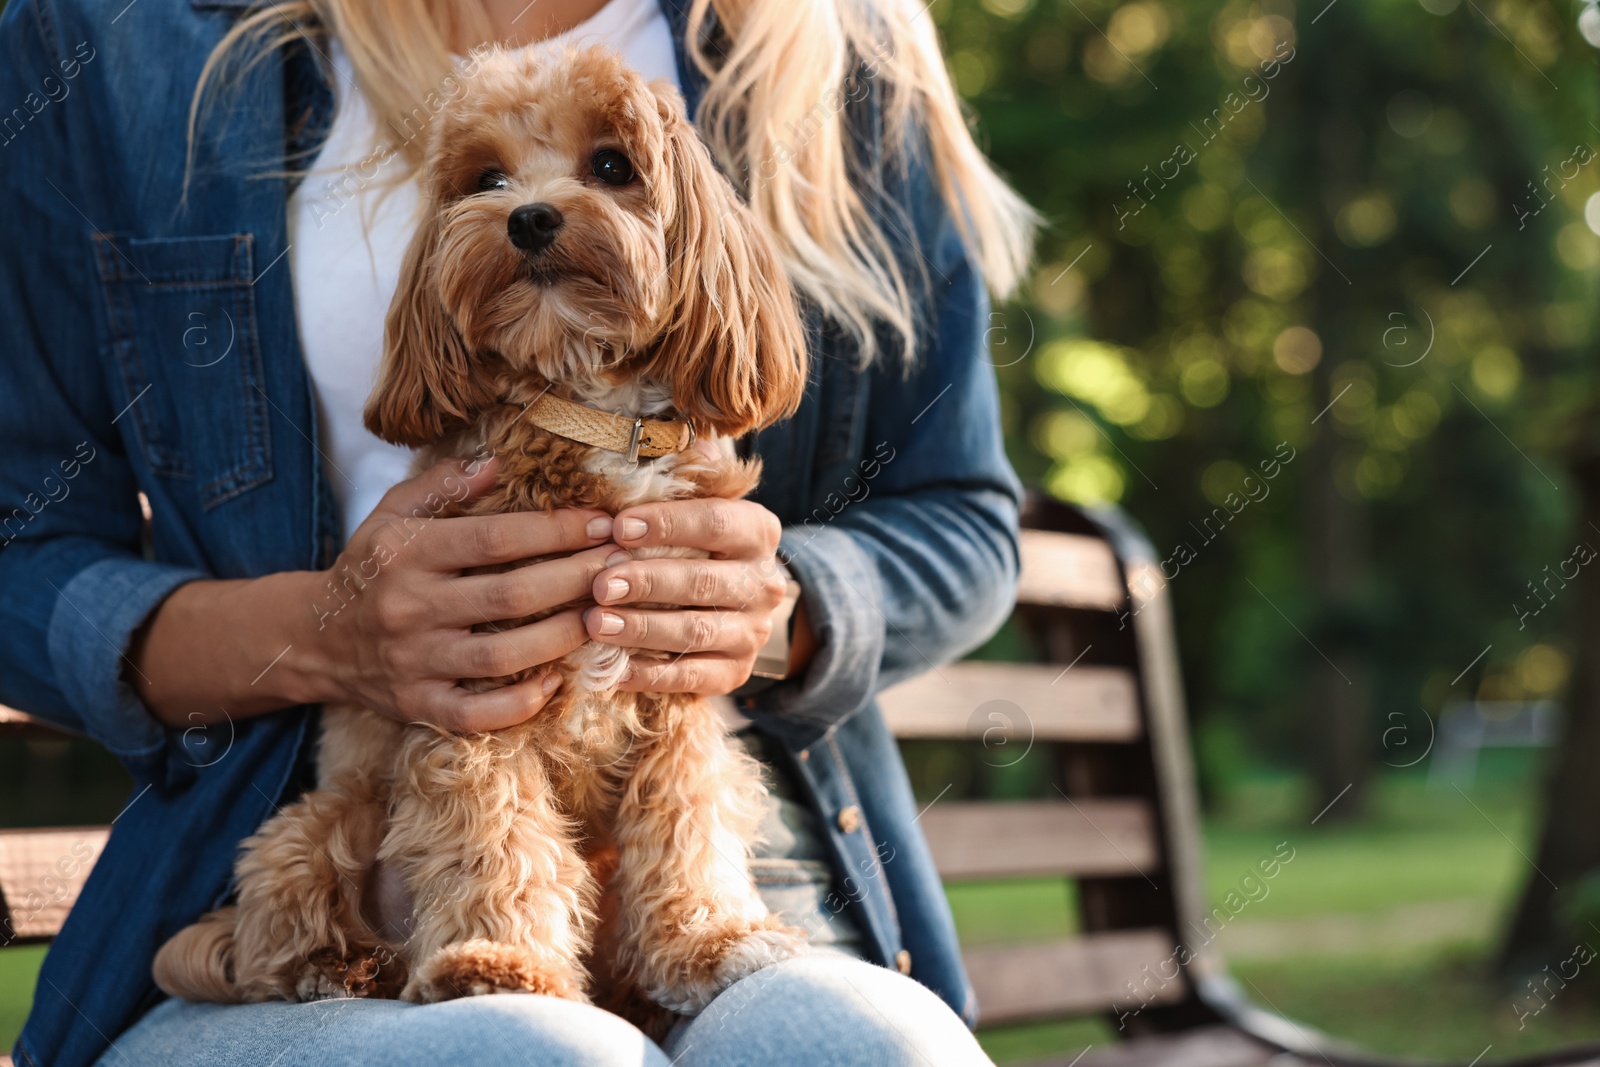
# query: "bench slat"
{"points": [[41, 874], [1075, 976], [1009, 703], [1085, 838], [1069, 570]]}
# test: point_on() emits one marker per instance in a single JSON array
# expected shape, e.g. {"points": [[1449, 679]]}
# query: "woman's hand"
{"points": [[389, 627], [728, 600], [396, 615]]}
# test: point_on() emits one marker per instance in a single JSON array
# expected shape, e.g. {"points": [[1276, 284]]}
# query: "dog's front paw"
{"points": [[479, 967], [717, 963], [756, 950], [355, 972]]}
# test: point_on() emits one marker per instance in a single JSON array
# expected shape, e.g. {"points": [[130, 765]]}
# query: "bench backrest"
{"points": [[41, 870], [1105, 706]]}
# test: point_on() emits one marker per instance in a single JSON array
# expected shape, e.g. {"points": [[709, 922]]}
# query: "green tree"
{"points": [[1374, 254]]}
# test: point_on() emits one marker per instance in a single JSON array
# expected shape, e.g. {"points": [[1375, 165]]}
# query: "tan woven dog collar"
{"points": [[615, 433]]}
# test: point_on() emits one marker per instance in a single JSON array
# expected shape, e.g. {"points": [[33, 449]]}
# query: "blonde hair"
{"points": [[781, 77]]}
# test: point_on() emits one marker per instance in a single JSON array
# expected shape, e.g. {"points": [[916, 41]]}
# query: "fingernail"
{"points": [[598, 527], [616, 589], [610, 624], [551, 681], [632, 529], [619, 556]]}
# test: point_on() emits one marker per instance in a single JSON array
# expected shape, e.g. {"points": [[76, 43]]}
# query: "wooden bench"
{"points": [[1103, 703], [1104, 706]]}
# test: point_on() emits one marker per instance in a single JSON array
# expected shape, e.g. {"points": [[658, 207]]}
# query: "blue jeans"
{"points": [[825, 1009]]}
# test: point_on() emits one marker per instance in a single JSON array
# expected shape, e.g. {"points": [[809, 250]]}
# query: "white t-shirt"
{"points": [[346, 242]]}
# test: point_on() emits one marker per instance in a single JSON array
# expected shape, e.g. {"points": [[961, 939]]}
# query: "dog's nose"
{"points": [[532, 227]]}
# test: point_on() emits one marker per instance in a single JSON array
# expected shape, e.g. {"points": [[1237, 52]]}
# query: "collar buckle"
{"points": [[634, 439], [626, 435]]}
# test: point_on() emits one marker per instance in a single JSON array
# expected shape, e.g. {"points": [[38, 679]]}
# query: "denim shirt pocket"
{"points": [[182, 317]]}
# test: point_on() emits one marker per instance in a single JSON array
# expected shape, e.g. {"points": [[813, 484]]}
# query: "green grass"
{"points": [[19, 970], [1435, 1003], [1415, 845], [1358, 870], [990, 912]]}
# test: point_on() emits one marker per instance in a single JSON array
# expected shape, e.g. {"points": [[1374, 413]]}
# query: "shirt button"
{"points": [[902, 961], [850, 819]]}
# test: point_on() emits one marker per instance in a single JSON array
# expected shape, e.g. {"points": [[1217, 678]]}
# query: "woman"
{"points": [[206, 206]]}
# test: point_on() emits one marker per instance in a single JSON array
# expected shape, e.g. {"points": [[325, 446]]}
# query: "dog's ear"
{"points": [[427, 382], [733, 343]]}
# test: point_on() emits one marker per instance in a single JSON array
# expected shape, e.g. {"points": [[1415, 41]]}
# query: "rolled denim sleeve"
{"points": [[921, 565], [73, 585], [88, 652], [841, 586]]}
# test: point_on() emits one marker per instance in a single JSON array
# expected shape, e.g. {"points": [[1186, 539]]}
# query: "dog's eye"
{"points": [[612, 167], [492, 179]]}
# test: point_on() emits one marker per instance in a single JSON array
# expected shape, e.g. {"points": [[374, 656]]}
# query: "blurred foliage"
{"points": [[1389, 220]]}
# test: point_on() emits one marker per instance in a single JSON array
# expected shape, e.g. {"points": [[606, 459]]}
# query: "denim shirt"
{"points": [[150, 346]]}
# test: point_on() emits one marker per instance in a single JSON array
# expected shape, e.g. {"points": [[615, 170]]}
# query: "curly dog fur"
{"points": [[659, 297]]}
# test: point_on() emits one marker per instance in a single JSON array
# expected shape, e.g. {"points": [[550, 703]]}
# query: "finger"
{"points": [[707, 675], [704, 583], [728, 529], [460, 711], [486, 540], [524, 591], [730, 632], [495, 655], [450, 481]]}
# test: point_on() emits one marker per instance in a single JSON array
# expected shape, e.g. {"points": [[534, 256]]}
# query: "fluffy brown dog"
{"points": [[582, 274]]}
